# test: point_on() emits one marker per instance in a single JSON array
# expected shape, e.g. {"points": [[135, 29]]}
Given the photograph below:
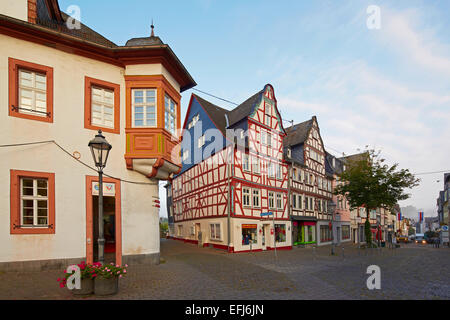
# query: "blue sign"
{"points": [[445, 228], [266, 214]]}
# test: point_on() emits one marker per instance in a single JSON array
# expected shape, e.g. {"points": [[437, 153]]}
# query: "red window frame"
{"points": [[15, 222], [14, 65]]}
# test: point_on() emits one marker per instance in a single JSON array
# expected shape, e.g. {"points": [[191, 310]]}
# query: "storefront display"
{"points": [[280, 232], [249, 234], [304, 232]]}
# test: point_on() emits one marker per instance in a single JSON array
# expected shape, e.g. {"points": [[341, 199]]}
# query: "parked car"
{"points": [[420, 238], [403, 239]]}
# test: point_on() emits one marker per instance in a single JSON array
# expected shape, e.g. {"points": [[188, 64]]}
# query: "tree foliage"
{"points": [[369, 182]]}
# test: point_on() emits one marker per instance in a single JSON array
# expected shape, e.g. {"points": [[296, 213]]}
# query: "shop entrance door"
{"points": [[112, 225]]}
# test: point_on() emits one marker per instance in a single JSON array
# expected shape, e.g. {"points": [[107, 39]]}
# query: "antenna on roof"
{"points": [[152, 26]]}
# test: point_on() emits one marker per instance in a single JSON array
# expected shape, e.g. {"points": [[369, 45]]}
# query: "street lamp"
{"points": [[100, 150], [331, 209]]}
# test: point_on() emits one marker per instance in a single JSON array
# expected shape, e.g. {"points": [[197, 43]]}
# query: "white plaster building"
{"points": [[64, 84]]}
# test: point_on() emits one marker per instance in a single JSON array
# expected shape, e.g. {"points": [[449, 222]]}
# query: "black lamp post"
{"points": [[332, 209], [100, 150]]}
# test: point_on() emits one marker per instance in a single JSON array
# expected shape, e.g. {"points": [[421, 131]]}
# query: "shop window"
{"points": [[325, 234], [345, 232], [32, 202], [280, 233], [30, 90], [249, 234]]}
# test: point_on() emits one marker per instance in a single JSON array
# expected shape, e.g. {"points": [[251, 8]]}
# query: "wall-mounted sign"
{"points": [[249, 226], [109, 189]]}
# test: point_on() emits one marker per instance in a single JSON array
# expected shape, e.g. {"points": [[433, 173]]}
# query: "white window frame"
{"points": [[34, 90], [300, 201], [256, 165], [103, 104], [35, 198], [144, 106], [185, 155], [246, 193], [246, 162], [271, 199], [270, 170], [279, 169], [256, 193], [201, 141], [169, 115], [217, 230], [279, 201]]}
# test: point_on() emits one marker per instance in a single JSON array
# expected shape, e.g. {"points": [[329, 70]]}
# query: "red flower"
{"points": [[61, 285]]}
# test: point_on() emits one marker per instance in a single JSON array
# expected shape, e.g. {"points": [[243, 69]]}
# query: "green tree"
{"points": [[369, 182], [411, 231]]}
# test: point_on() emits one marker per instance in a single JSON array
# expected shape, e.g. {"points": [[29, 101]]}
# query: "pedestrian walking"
{"points": [[394, 241]]}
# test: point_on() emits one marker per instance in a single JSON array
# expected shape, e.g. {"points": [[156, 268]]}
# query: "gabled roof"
{"points": [[354, 157], [297, 133], [216, 113], [245, 108]]}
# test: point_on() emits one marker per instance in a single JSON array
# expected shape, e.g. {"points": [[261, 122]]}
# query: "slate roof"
{"points": [[245, 108], [297, 133], [216, 113], [85, 33], [146, 41]]}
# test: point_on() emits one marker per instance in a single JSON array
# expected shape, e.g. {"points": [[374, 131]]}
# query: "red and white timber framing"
{"points": [[207, 193]]}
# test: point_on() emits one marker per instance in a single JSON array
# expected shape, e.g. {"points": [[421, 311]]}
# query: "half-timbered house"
{"points": [[232, 191], [309, 185]]}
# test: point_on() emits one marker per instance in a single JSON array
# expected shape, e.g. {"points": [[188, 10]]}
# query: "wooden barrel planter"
{"points": [[106, 287], [87, 287]]}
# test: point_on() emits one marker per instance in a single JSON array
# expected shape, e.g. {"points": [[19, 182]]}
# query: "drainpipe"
{"points": [[289, 202], [229, 200]]}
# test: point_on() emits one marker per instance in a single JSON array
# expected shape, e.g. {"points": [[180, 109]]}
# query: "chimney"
{"points": [[32, 14]]}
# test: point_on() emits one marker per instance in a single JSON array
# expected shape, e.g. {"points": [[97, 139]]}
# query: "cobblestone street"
{"points": [[189, 272]]}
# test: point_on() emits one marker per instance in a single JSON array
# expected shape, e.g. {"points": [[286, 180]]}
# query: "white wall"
{"points": [[15, 8], [140, 232]]}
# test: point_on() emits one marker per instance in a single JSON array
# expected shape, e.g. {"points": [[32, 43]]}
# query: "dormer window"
{"points": [[334, 163], [289, 152]]}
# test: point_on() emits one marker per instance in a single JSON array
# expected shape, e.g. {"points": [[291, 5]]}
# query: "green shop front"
{"points": [[303, 232]]}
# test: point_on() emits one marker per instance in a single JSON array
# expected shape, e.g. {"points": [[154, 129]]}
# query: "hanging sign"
{"points": [[271, 231], [109, 189]]}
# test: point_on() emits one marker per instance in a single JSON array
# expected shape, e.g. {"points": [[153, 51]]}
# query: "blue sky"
{"points": [[386, 88]]}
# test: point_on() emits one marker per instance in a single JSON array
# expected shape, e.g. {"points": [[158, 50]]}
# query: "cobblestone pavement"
{"points": [[189, 272]]}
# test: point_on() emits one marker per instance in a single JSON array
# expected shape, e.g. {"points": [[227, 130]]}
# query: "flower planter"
{"points": [[87, 287], [106, 287]]}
